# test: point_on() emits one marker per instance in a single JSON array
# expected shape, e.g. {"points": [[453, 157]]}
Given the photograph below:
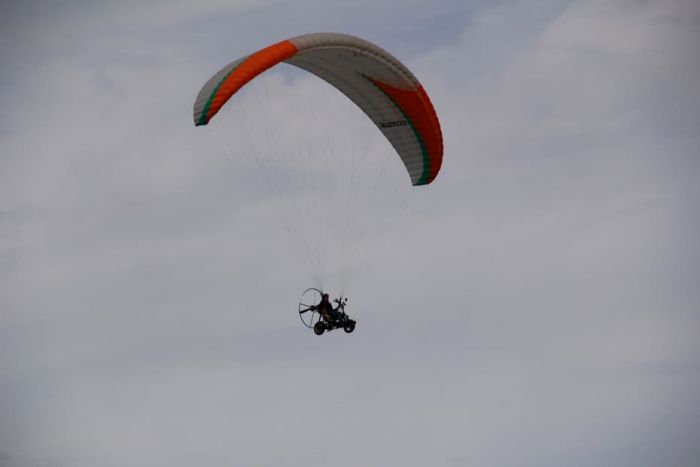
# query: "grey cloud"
{"points": [[548, 317]]}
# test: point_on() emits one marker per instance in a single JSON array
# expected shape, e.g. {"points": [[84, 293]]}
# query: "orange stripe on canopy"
{"points": [[417, 107], [249, 69]]}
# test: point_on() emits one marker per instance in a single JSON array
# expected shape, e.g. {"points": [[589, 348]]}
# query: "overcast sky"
{"points": [[537, 305]]}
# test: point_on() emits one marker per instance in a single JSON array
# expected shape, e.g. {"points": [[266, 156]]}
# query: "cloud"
{"points": [[537, 305]]}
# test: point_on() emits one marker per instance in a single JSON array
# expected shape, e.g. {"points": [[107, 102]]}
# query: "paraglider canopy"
{"points": [[373, 79]]}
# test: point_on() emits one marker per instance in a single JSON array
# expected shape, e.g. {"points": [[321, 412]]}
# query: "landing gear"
{"points": [[349, 326]]}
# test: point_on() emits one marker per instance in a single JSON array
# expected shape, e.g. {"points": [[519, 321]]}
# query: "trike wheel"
{"points": [[319, 328]]}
